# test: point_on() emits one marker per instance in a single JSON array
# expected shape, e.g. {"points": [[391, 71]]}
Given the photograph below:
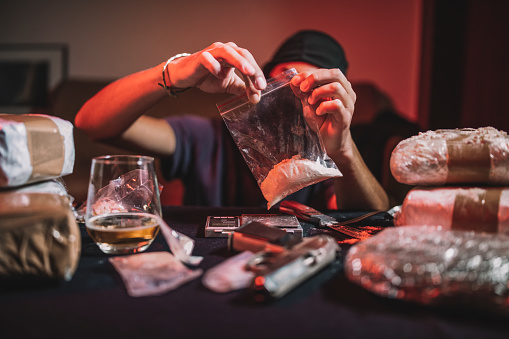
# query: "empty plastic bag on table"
{"points": [[453, 156], [152, 273], [282, 151]]}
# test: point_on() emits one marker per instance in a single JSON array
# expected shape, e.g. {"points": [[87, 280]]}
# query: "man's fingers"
{"points": [[324, 76], [257, 79], [211, 64], [229, 53]]}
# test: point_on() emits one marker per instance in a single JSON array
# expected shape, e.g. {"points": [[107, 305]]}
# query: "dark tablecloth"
{"points": [[95, 304]]}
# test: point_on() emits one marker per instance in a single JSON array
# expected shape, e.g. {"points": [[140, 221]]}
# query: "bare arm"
{"points": [[329, 100], [116, 107], [358, 188], [115, 113]]}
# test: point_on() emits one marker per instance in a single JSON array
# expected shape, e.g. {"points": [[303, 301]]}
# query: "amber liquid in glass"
{"points": [[121, 233]]}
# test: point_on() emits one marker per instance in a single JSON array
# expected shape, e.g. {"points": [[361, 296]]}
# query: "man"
{"points": [[201, 151]]}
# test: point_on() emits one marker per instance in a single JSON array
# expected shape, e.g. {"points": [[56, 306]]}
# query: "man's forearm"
{"points": [[117, 106], [358, 189]]}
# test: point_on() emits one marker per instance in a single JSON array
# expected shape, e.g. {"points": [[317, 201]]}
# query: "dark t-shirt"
{"points": [[371, 138], [214, 172]]}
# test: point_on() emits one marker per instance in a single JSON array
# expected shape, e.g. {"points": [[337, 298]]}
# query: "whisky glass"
{"points": [[123, 203]]}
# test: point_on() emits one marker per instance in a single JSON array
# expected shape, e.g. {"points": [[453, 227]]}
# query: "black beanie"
{"points": [[313, 47]]}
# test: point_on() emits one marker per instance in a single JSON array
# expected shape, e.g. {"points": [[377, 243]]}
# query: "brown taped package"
{"points": [[34, 147], [481, 209], [453, 156], [39, 238]]}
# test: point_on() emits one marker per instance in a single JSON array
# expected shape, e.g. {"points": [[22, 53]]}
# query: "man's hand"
{"points": [[213, 71], [328, 101]]}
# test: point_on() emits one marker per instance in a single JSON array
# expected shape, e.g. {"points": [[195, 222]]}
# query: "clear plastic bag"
{"points": [[281, 149], [128, 193], [152, 273]]}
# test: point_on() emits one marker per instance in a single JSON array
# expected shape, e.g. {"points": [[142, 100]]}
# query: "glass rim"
{"points": [[122, 158]]}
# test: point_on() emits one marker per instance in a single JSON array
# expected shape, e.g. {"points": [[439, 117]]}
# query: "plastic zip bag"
{"points": [[279, 146], [152, 273]]}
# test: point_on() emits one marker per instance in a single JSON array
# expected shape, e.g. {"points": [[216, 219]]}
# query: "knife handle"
{"points": [[313, 216], [301, 208], [301, 211], [307, 213]]}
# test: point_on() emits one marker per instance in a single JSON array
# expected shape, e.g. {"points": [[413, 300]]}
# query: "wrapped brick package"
{"points": [[34, 147], [39, 238], [453, 156], [434, 266], [481, 209], [53, 186]]}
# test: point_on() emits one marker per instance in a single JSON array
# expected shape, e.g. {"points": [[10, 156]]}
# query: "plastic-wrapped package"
{"points": [[39, 238], [482, 209], [453, 156], [279, 146], [52, 186], [430, 265], [34, 147]]}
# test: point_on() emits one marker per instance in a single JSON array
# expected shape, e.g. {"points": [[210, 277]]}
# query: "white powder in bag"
{"points": [[290, 175]]}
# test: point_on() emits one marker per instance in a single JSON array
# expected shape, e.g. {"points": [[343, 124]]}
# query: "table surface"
{"points": [[95, 304]]}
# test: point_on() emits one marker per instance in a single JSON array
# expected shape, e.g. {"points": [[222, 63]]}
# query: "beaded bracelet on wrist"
{"points": [[171, 91]]}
